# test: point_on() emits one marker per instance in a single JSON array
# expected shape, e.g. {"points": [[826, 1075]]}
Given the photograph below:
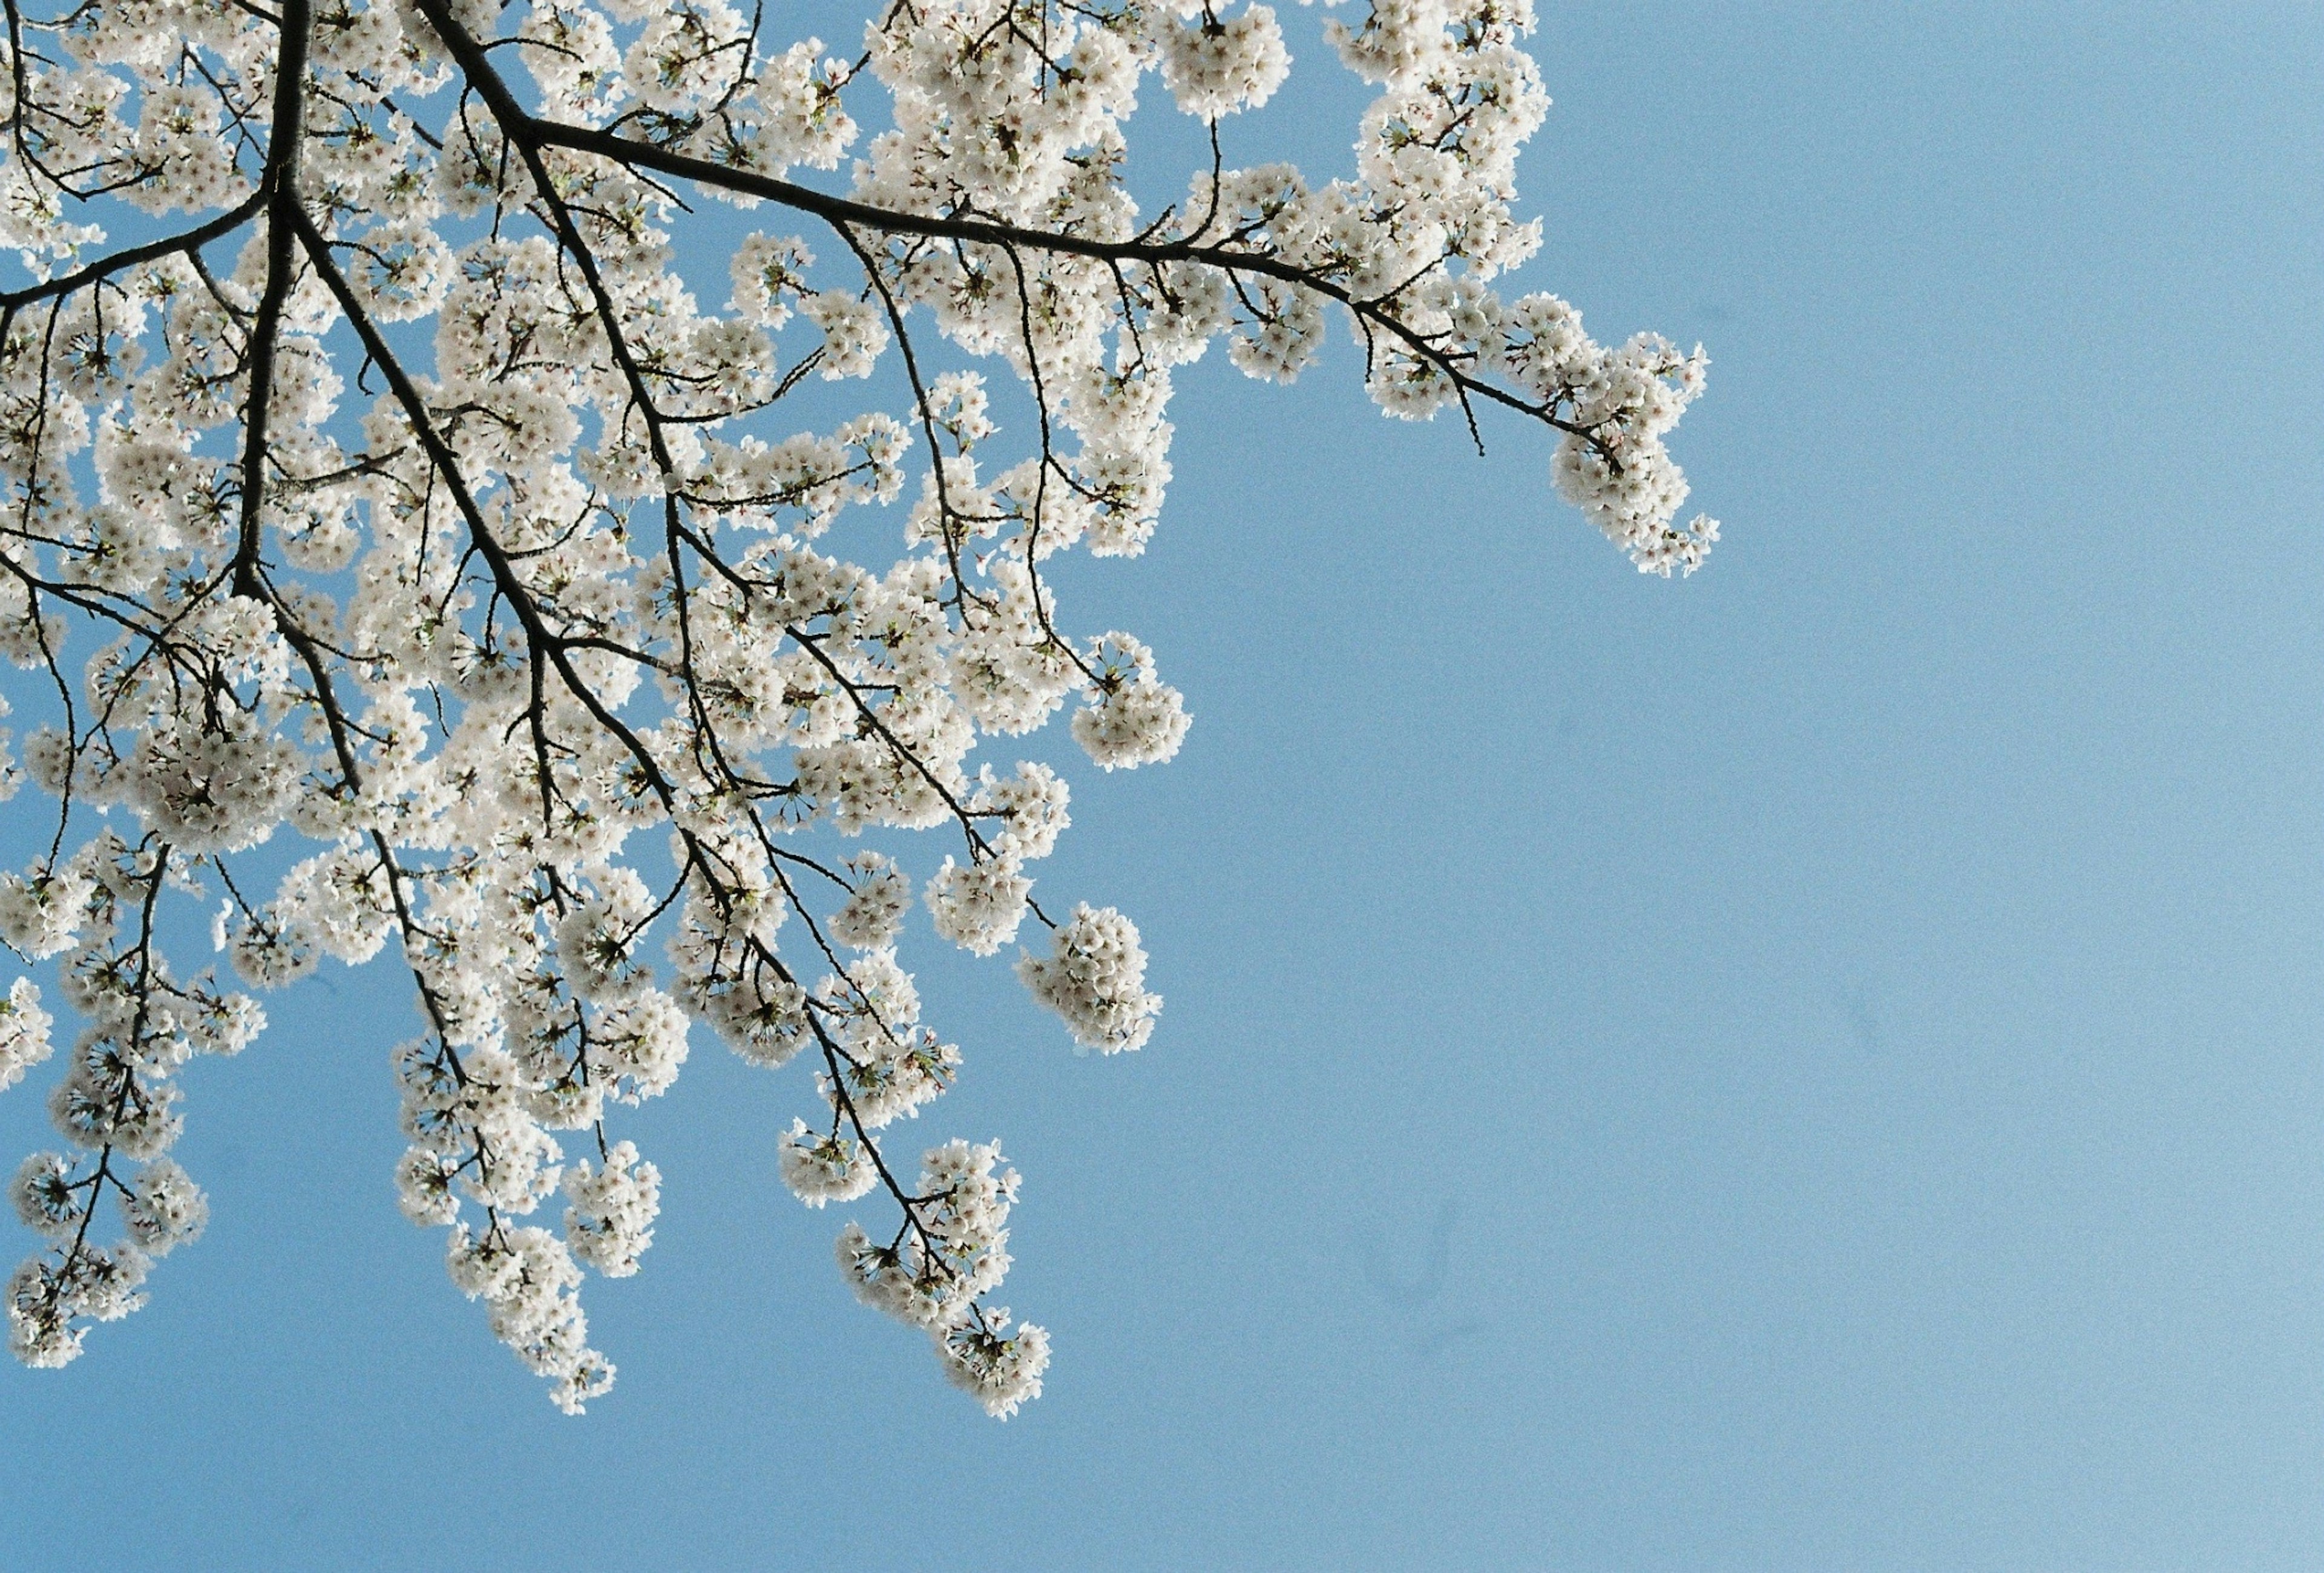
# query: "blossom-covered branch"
{"points": [[545, 644]]}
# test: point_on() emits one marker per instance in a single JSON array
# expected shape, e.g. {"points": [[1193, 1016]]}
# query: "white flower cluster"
{"points": [[1215, 67], [869, 919], [821, 1169], [528, 1281], [116, 1104], [998, 1368], [979, 907], [1095, 979], [610, 1220], [396, 491], [1615, 467], [24, 1032], [953, 1249], [1131, 718], [163, 1208]]}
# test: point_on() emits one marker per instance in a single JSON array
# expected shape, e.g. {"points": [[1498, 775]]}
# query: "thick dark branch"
{"points": [[201, 235], [532, 132], [282, 187], [842, 211]]}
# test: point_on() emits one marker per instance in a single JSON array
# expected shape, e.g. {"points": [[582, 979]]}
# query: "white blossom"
{"points": [[1001, 1369], [1130, 717], [978, 905], [46, 1195], [1216, 67], [827, 1168], [610, 1220], [875, 910], [1095, 979], [164, 1209], [24, 1032], [954, 1248]]}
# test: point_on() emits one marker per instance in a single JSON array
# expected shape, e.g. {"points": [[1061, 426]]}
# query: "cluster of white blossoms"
{"points": [[116, 1102], [409, 546], [948, 1253], [1095, 979]]}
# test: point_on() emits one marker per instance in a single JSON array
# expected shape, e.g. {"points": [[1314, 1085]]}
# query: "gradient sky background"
{"points": [[1814, 1067]]}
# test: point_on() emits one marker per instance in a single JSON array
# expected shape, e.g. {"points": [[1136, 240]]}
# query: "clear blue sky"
{"points": [[1814, 1067]]}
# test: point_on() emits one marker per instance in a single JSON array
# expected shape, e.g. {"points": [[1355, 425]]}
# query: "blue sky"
{"points": [[1811, 1067]]}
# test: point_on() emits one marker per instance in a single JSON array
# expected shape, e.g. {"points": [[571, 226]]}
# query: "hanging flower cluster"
{"points": [[371, 469]]}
